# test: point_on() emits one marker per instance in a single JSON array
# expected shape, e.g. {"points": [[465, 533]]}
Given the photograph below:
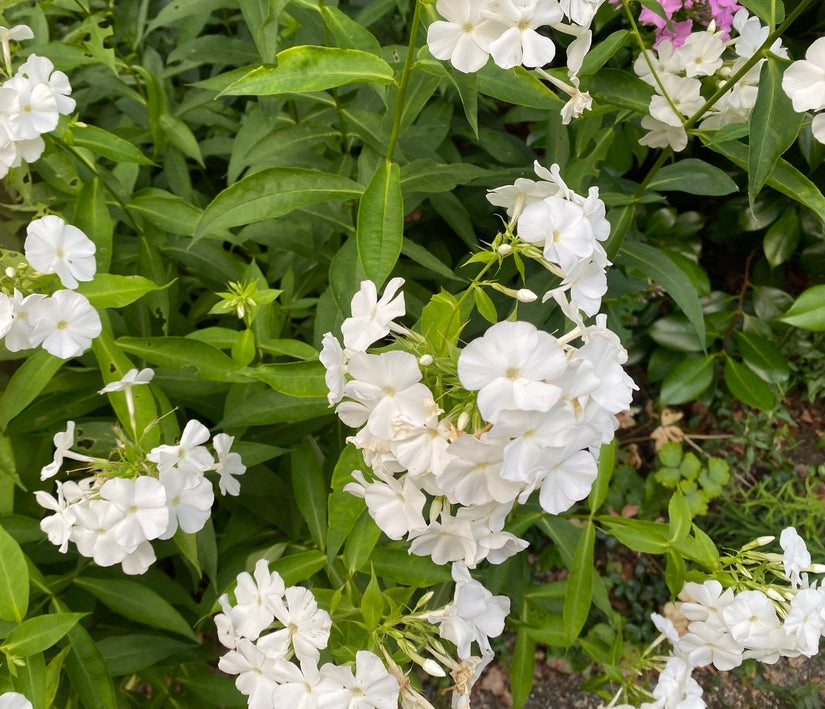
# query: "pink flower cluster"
{"points": [[702, 13]]}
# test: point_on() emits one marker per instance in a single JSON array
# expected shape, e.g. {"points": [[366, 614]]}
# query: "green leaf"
{"points": [[484, 305], [762, 9], [807, 312], [85, 668], [785, 178], [300, 379], [308, 68], [271, 407], [127, 654], [410, 570], [348, 33], [598, 492], [31, 681], [670, 454], [579, 591], [658, 267], [693, 176], [522, 668], [380, 230], [372, 604], [26, 383], [620, 88], [678, 513], [165, 210], [14, 579], [136, 602], [310, 488], [763, 357], [343, 510], [184, 355], [774, 126], [441, 322], [39, 633], [781, 238], [425, 258], [91, 216], [747, 386], [107, 145], [687, 381], [272, 193], [179, 134], [674, 572], [360, 544], [639, 535], [517, 86], [714, 478], [298, 568], [108, 290], [427, 176], [601, 52]]}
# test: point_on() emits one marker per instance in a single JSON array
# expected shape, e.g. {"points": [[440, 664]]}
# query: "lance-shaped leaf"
{"points": [[693, 176], [808, 310], [579, 591], [109, 290], [747, 386], [39, 633], [26, 383], [272, 193], [91, 216], [774, 126], [308, 68], [14, 579], [380, 230]]}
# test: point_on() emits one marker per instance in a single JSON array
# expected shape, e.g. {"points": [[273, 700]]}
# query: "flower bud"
{"points": [[774, 595], [504, 249], [432, 668], [10, 272], [463, 420], [425, 360], [525, 295]]}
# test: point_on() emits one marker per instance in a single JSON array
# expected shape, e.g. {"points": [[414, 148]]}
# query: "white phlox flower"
{"points": [[561, 227], [334, 359], [707, 644], [40, 70], [29, 107], [473, 475], [142, 502], [139, 560], [63, 442], [388, 385], [487, 525], [752, 619], [805, 622], [256, 599], [701, 54], [663, 61], [306, 625], [190, 455], [372, 318], [796, 556], [370, 687], [131, 379], [519, 43], [524, 191], [676, 688], [189, 499], [64, 324], [581, 12], [14, 700], [255, 673], [449, 540], [752, 34], [662, 135], [685, 99], [475, 615], [707, 602], [94, 532], [229, 465], [395, 505], [512, 366], [465, 37], [421, 447], [58, 527], [804, 80]]}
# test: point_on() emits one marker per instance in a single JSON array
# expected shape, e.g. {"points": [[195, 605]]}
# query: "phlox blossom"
{"points": [[14, 700], [519, 43], [64, 324], [229, 465], [372, 318], [142, 502], [464, 36]]}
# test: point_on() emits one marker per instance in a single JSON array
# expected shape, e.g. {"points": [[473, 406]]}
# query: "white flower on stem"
{"points": [[519, 43], [701, 54], [561, 227], [58, 526], [14, 700], [190, 455], [752, 619], [305, 688], [256, 673], [581, 12], [676, 688], [305, 625], [6, 314], [663, 135], [818, 127], [752, 35], [189, 498], [18, 337], [576, 50], [131, 379], [512, 366], [395, 505], [684, 98], [227, 633], [30, 108], [805, 622], [473, 475], [255, 600], [138, 560], [707, 602], [372, 318], [487, 525], [63, 442], [421, 447], [580, 101], [707, 644], [370, 687], [229, 465], [334, 360], [17, 34], [64, 324], [389, 385], [466, 35], [94, 534], [475, 615], [662, 60], [40, 70], [564, 479], [796, 555], [142, 503], [451, 539]]}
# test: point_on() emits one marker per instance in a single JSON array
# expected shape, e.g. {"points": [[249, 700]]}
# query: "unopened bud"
{"points": [[463, 420], [816, 568], [425, 360], [432, 668], [525, 295], [773, 594], [10, 272], [504, 249], [762, 541]]}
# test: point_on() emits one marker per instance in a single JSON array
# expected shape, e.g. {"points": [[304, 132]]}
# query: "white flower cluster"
{"points": [[64, 323], [300, 629], [804, 83], [546, 406], [31, 102], [677, 76], [113, 519], [568, 227], [724, 628], [475, 30]]}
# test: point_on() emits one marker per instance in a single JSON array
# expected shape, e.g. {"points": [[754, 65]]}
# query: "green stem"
{"points": [[405, 80], [473, 285], [748, 65], [654, 168]]}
